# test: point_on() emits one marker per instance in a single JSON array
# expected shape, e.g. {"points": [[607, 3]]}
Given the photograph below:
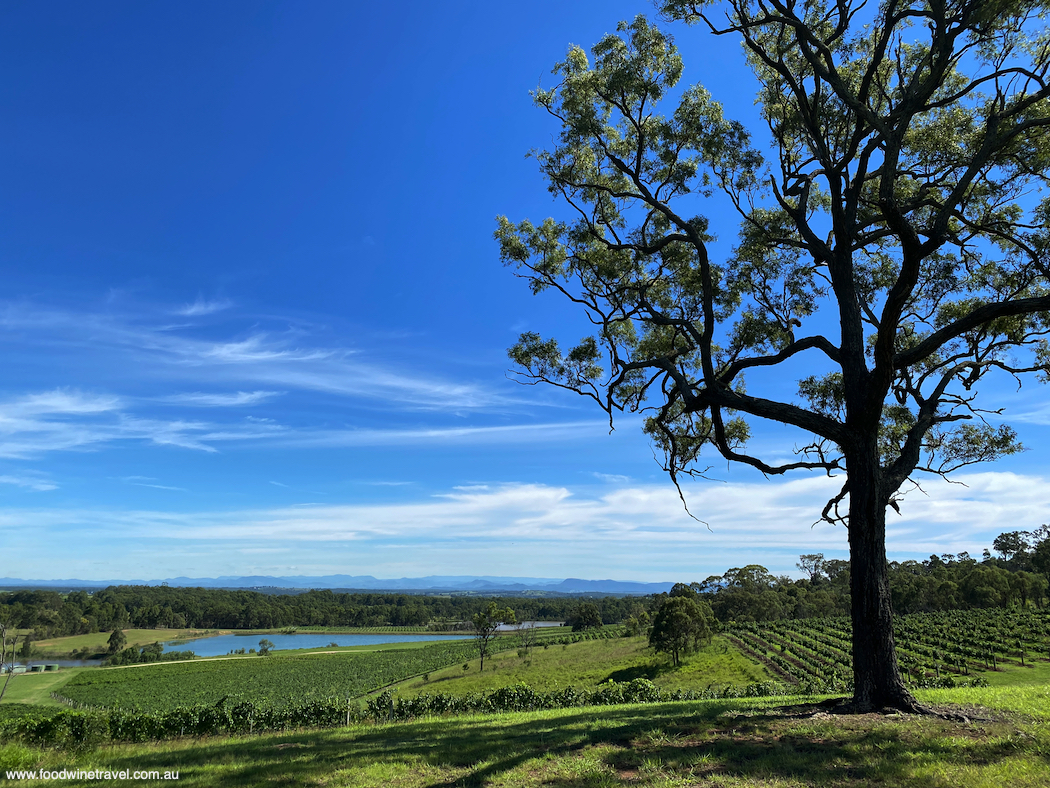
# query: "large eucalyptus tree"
{"points": [[893, 240]]}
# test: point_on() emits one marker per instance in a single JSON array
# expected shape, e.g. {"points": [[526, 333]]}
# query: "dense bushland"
{"points": [[1015, 576], [50, 614]]}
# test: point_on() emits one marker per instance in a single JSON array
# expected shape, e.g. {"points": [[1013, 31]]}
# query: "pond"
{"points": [[218, 645]]}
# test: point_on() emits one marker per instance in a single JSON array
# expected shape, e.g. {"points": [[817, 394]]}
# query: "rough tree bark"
{"points": [[876, 674]]}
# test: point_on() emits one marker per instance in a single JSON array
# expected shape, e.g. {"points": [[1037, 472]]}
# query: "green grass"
{"points": [[36, 688], [589, 663], [1034, 673], [1030, 700], [98, 642], [730, 743]]}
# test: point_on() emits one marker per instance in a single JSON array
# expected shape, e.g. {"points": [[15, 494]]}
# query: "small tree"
{"points": [[1010, 544], [588, 616], [812, 564], [638, 622], [265, 646], [117, 641], [8, 641], [486, 624], [152, 652], [526, 636], [681, 624]]}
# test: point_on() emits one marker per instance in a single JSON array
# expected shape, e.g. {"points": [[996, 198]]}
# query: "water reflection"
{"points": [[220, 645]]}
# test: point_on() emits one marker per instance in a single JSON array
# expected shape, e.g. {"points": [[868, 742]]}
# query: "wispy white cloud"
{"points": [[611, 478], [204, 307], [284, 360], [255, 349], [201, 399], [149, 481], [62, 420], [60, 401], [34, 483], [284, 486], [518, 433], [1037, 415], [51, 420], [638, 531]]}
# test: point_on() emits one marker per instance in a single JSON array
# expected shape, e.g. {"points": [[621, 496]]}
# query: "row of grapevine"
{"points": [[931, 646], [82, 729], [280, 678], [274, 680]]}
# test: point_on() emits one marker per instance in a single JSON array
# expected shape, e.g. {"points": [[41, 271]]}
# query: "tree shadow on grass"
{"points": [[650, 672], [819, 750], [627, 746]]}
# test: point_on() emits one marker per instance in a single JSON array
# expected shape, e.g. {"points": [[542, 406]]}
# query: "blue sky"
{"points": [[254, 322]]}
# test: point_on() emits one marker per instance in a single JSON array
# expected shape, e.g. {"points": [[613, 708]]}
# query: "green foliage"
{"points": [[486, 623], [681, 624], [1011, 543], [638, 623], [747, 743], [594, 661], [117, 641], [74, 730], [50, 614], [668, 314], [935, 649], [904, 195], [587, 616], [274, 681], [154, 652]]}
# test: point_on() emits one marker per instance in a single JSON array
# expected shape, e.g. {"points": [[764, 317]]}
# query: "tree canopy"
{"points": [[587, 616], [486, 623], [892, 228], [681, 624]]}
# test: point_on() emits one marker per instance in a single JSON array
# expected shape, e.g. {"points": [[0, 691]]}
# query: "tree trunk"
{"points": [[876, 674]]}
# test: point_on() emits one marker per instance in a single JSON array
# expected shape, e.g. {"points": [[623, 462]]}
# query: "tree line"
{"points": [[1014, 572], [52, 614]]}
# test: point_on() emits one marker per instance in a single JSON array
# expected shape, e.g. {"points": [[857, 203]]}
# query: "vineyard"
{"points": [[937, 649], [84, 729], [279, 680], [934, 649], [275, 680]]}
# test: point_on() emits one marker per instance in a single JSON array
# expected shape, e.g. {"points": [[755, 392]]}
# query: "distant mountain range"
{"points": [[435, 583]]}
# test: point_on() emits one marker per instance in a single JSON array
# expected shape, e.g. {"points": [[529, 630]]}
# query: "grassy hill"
{"points": [[589, 663], [98, 642]]}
